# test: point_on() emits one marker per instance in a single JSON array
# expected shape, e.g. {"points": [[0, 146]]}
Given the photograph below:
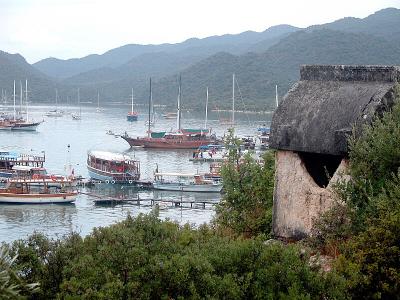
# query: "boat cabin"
{"points": [[110, 166], [10, 161]]}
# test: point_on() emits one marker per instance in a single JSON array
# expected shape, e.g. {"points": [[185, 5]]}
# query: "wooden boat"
{"points": [[19, 123], [185, 183], [178, 139], [25, 125], [10, 160], [172, 140], [113, 168], [215, 172], [25, 192], [38, 176], [132, 115]]}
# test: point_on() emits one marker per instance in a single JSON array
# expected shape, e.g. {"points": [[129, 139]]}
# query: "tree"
{"points": [[11, 285], [248, 185]]}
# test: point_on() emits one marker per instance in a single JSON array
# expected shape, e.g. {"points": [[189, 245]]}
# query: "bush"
{"points": [[145, 258], [246, 206]]}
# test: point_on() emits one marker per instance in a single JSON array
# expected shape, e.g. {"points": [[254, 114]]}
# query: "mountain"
{"points": [[259, 60], [14, 67], [384, 23], [257, 74], [194, 47]]}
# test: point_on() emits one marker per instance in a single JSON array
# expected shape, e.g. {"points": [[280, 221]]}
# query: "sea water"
{"points": [[65, 141]]}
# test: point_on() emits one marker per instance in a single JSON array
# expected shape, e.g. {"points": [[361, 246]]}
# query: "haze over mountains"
{"points": [[259, 60]]}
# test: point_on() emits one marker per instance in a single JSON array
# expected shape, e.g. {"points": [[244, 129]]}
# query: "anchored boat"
{"points": [[185, 183], [9, 160], [31, 191], [111, 167], [132, 115], [178, 139]]}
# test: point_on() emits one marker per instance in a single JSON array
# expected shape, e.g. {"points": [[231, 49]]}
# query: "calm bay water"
{"points": [[53, 136]]}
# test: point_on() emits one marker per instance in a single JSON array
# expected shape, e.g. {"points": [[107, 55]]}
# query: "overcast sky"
{"points": [[74, 28]]}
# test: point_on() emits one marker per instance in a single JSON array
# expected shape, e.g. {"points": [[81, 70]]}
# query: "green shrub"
{"points": [[246, 206]]}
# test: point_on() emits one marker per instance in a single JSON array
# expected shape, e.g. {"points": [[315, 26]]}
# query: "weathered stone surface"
{"points": [[298, 200], [319, 111]]}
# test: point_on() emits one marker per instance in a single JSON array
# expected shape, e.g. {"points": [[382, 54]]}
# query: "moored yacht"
{"points": [[177, 139]]}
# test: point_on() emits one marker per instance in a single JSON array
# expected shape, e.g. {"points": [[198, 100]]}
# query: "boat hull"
{"points": [[202, 188], [25, 126], [131, 118], [162, 143], [120, 178], [38, 198]]}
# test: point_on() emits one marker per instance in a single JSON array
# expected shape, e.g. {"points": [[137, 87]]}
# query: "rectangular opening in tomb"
{"points": [[321, 167]]}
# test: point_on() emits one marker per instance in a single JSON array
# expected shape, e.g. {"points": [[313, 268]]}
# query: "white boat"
{"points": [[98, 109], [36, 176], [78, 116], [112, 167], [24, 192], [55, 113], [20, 123], [185, 183]]}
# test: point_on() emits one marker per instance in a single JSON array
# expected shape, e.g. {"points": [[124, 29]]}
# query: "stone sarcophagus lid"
{"points": [[310, 129]]}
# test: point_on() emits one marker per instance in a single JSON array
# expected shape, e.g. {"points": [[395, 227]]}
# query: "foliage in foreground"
{"points": [[11, 285], [145, 258], [364, 230], [246, 206]]}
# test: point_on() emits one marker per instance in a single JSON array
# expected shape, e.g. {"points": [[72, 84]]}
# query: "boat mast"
{"points": [[98, 100], [26, 98], [79, 103], [233, 99], [56, 100], [132, 102], [178, 115], [14, 103], [22, 97], [150, 100], [276, 95], [205, 121]]}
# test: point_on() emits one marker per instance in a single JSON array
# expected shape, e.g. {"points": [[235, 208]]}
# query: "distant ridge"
{"points": [[259, 60], [200, 48]]}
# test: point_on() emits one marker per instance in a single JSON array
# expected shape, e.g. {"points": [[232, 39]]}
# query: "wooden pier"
{"points": [[102, 200]]}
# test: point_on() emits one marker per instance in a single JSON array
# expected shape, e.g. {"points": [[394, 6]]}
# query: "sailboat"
{"points": [[231, 122], [132, 115], [21, 123], [178, 139], [98, 109], [56, 113], [78, 116]]}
